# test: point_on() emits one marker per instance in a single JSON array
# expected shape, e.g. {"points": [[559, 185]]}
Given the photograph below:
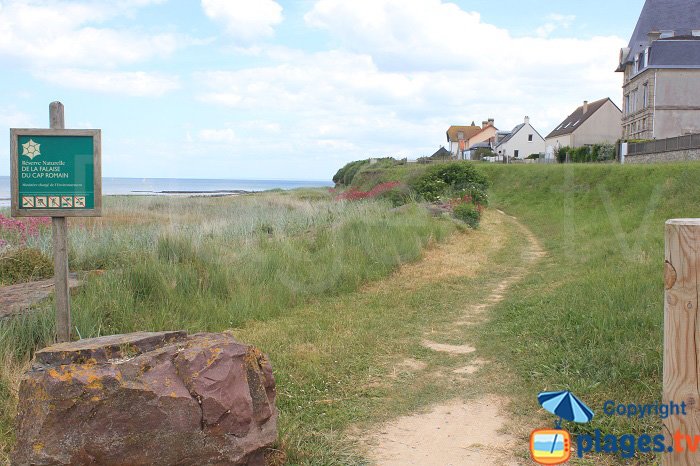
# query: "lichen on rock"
{"points": [[147, 398]]}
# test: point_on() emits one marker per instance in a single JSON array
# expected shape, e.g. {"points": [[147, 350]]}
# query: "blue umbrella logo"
{"points": [[565, 405]]}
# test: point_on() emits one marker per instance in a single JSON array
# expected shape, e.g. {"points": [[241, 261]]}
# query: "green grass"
{"points": [[214, 264], [590, 319]]}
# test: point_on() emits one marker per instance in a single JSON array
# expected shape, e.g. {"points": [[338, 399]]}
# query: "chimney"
{"points": [[491, 121], [527, 120], [484, 123], [585, 107]]}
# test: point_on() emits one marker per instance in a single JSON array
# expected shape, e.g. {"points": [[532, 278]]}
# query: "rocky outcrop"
{"points": [[147, 398]]}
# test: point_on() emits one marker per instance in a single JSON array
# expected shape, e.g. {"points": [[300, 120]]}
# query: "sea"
{"points": [[180, 186]]}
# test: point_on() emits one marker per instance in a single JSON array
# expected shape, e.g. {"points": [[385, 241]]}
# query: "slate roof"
{"points": [[468, 131], [441, 153], [512, 133], [680, 16], [576, 119], [679, 53]]}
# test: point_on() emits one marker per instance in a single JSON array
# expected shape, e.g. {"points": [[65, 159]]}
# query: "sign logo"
{"points": [[550, 446], [31, 149], [553, 446]]}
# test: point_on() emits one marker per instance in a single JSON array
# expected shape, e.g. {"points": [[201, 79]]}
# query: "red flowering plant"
{"points": [[354, 194], [14, 232]]}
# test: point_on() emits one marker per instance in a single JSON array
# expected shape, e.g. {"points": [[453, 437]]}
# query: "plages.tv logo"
{"points": [[553, 446]]}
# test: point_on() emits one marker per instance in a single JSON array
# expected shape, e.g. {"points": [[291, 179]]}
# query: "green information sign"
{"points": [[56, 173]]}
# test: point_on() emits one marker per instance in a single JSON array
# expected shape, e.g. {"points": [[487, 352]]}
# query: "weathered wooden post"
{"points": [[59, 228], [681, 343], [57, 173]]}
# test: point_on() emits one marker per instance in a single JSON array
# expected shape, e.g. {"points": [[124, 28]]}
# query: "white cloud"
{"points": [[135, 83], [245, 20], [67, 34], [555, 21], [218, 136]]}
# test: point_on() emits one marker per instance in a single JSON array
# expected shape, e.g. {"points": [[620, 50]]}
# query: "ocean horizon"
{"points": [[115, 186]]}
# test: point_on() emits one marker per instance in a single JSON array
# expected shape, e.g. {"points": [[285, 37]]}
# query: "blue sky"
{"points": [[265, 89]]}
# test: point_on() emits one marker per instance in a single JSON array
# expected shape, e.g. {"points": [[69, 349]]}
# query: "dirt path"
{"points": [[458, 432]]}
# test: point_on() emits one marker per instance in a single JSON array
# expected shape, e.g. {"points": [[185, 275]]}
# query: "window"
{"points": [[529, 137], [667, 34], [627, 104], [636, 64], [460, 135], [516, 153], [696, 32], [646, 94]]}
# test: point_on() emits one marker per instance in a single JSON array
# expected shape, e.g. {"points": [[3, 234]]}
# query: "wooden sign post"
{"points": [[681, 351], [57, 173]]}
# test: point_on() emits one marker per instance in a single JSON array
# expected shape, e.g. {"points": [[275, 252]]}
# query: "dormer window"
{"points": [[667, 34], [636, 64], [696, 32], [460, 135]]}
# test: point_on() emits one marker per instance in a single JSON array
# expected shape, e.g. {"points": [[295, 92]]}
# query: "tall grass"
{"points": [[209, 264]]}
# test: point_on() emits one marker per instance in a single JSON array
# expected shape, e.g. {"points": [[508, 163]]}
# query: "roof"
{"points": [[512, 133], [483, 129], [481, 145], [441, 153], [679, 53], [576, 119], [468, 131], [680, 16]]}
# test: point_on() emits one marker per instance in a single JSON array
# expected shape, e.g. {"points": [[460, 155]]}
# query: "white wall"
{"points": [[519, 142]]}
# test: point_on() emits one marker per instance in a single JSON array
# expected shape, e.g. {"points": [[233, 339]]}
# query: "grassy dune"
{"points": [[211, 264]]}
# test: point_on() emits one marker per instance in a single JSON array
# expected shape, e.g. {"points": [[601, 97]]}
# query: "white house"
{"points": [[594, 123], [521, 142]]}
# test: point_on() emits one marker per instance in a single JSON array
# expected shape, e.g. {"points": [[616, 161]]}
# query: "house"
{"points": [[441, 154], [592, 123], [522, 141], [661, 67], [460, 138], [486, 134]]}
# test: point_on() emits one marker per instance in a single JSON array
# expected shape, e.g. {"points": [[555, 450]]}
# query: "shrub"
{"points": [[468, 213], [448, 179], [23, 265], [482, 152], [345, 175], [533, 156]]}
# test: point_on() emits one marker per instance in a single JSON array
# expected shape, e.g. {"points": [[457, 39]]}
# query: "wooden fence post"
{"points": [[60, 249], [681, 331]]}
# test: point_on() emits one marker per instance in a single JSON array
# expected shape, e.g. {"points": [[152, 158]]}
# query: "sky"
{"points": [[275, 89]]}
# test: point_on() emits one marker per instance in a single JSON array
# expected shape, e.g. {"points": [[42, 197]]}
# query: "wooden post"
{"points": [[60, 249], [681, 343]]}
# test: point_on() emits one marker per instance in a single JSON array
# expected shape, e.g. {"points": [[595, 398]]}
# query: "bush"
{"points": [[449, 179], [468, 213], [23, 265], [345, 175], [533, 156], [482, 152]]}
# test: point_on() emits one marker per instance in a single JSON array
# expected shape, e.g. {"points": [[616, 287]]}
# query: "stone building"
{"points": [[661, 69]]}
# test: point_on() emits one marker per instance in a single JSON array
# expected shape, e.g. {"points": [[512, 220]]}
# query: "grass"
{"points": [[590, 317], [215, 264]]}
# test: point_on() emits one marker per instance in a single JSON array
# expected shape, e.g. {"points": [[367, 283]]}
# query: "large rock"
{"points": [[147, 398]]}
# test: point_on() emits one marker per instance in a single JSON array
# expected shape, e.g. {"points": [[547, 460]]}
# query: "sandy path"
{"points": [[458, 432]]}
